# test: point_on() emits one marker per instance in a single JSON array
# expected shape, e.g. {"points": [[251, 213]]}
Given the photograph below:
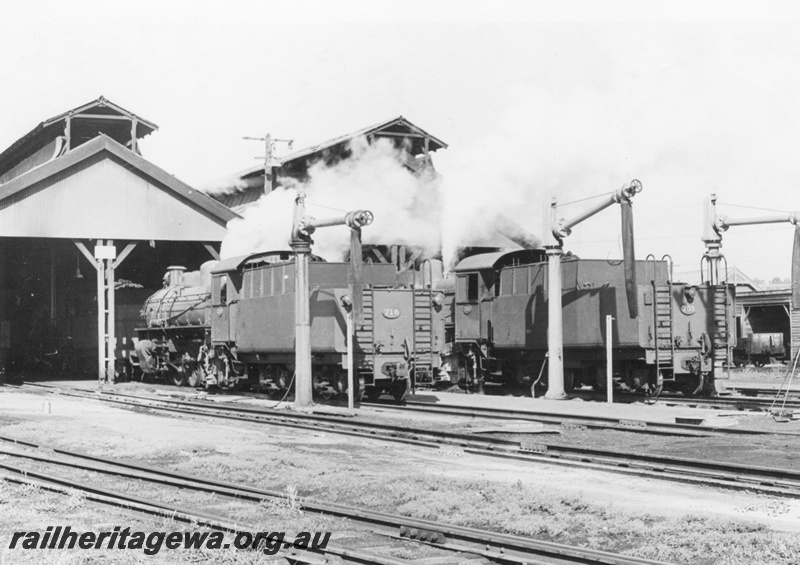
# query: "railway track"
{"points": [[750, 402], [779, 482], [445, 544], [571, 420]]}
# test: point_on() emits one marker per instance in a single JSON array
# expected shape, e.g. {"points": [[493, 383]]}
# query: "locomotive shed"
{"points": [[88, 227]]}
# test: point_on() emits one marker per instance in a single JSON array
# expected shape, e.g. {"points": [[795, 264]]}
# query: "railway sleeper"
{"points": [[632, 424], [423, 535], [533, 447]]}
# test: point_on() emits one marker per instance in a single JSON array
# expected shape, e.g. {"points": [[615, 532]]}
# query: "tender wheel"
{"points": [[597, 378], [400, 389], [655, 391], [569, 381], [693, 386], [372, 393]]}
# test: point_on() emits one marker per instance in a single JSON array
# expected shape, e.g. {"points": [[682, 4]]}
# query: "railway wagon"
{"points": [[238, 328], [759, 349], [500, 319]]}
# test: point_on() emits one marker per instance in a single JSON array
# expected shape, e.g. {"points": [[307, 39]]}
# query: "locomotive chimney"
{"points": [[174, 276]]}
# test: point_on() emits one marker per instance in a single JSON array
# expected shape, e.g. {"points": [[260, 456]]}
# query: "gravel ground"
{"points": [[667, 521]]}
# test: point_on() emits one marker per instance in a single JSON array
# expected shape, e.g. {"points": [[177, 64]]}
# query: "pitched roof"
{"points": [[103, 143], [398, 127], [97, 110]]}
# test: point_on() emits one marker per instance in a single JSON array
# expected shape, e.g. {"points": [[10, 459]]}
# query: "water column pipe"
{"points": [[300, 243], [554, 233]]}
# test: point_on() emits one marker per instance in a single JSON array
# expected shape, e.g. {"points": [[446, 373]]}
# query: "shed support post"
{"points": [[100, 265], [105, 261]]}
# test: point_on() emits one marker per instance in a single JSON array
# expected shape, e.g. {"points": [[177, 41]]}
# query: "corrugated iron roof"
{"points": [[399, 123], [54, 126], [103, 143]]}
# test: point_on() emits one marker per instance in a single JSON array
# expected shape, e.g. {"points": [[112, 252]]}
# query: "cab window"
{"points": [[467, 288], [219, 291]]}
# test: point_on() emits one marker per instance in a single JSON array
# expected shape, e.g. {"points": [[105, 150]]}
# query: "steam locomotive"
{"points": [[497, 322], [233, 325]]}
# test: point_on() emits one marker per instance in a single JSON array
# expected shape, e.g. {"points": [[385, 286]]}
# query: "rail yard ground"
{"points": [[669, 521]]}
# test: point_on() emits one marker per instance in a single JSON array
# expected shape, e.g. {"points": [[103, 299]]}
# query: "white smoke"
{"points": [[405, 206], [232, 184], [545, 146], [264, 226]]}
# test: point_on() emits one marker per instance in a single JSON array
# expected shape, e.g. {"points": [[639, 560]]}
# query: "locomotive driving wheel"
{"points": [[178, 377], [195, 376]]}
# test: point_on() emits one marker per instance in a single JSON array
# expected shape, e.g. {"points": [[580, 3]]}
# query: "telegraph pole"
{"points": [[269, 156]]}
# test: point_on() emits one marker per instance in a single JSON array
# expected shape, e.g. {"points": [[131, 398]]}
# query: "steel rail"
{"points": [[565, 420], [739, 402], [488, 544], [782, 482], [108, 497]]}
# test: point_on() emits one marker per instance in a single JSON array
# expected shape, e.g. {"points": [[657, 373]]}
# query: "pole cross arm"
{"points": [[562, 228]]}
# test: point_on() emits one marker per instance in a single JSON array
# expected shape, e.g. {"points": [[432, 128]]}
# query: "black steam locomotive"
{"points": [[485, 327], [235, 327]]}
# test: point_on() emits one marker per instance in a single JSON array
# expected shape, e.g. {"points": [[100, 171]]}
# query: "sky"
{"points": [[535, 99]]}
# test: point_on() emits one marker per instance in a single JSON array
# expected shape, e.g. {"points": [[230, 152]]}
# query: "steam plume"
{"points": [[406, 206]]}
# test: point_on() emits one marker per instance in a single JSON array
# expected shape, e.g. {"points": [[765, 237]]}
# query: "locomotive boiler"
{"points": [[237, 327], [498, 319]]}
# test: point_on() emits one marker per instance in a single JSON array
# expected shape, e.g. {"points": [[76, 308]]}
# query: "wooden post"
{"points": [[609, 352], [350, 362], [111, 346], [52, 287], [101, 314], [134, 141]]}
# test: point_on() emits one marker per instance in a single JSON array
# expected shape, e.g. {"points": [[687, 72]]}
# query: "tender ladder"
{"points": [[663, 319]]}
